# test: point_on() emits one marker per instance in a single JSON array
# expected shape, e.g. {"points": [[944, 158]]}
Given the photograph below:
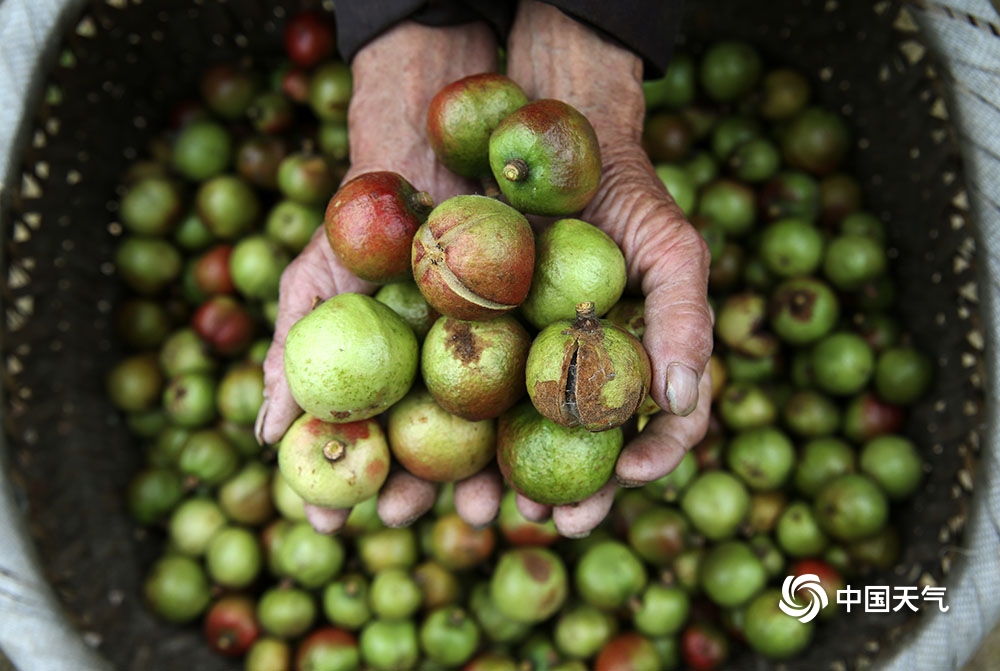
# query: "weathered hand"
{"points": [[395, 76], [553, 56]]}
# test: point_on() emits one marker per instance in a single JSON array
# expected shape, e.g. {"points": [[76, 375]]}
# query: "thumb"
{"points": [[316, 273]]}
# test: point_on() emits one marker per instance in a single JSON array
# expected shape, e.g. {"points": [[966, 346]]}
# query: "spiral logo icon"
{"points": [[817, 597]]}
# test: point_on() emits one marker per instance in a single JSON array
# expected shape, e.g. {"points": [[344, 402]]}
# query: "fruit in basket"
{"points": [[148, 265], [350, 358], [587, 372], [771, 631], [574, 261], [334, 465], [473, 258], [816, 140], [729, 70], [475, 369], [550, 463], [306, 178], [370, 223], [224, 324], [309, 37], [228, 89], [152, 206], [256, 265], [546, 158], [462, 116], [228, 205], [231, 626], [449, 636], [529, 584], [177, 588], [330, 88], [609, 574], [406, 300], [328, 648], [851, 507]]}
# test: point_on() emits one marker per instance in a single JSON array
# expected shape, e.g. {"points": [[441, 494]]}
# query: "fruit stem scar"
{"points": [[516, 170], [421, 202], [586, 315], [316, 301], [334, 450]]}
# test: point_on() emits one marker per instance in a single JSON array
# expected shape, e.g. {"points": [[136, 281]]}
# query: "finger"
{"points": [[533, 512], [669, 261], [661, 445], [477, 498], [404, 498], [315, 273], [678, 322], [326, 520], [576, 520]]}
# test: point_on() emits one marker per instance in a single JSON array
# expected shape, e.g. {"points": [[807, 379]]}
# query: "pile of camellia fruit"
{"points": [[486, 341]]}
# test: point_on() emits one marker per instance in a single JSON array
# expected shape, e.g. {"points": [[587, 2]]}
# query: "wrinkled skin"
{"points": [[549, 55]]}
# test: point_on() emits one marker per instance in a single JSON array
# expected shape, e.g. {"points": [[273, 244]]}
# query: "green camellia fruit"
{"points": [[334, 465], [574, 261], [546, 158], [350, 358]]}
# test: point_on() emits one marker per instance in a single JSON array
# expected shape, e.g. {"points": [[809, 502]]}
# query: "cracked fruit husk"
{"points": [[588, 372], [474, 257], [546, 158], [550, 463], [334, 465], [350, 358]]}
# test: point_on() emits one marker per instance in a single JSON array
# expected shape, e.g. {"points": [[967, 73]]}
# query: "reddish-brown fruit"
{"points": [[224, 324], [474, 257], [628, 651], [462, 116], [370, 223], [211, 271], [231, 626], [295, 85], [310, 38], [457, 546], [704, 647]]}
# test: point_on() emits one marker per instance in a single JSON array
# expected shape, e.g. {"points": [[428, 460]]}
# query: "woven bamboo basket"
{"points": [[918, 81]]}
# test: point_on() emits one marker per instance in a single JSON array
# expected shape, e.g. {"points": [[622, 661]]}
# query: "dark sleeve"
{"points": [[647, 27], [360, 21]]}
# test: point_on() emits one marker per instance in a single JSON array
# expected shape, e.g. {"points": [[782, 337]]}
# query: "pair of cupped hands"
{"points": [[550, 55]]}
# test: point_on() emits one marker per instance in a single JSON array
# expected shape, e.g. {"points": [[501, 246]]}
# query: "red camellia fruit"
{"points": [[370, 223], [310, 38], [211, 271], [704, 647], [231, 626], [224, 324], [628, 651], [474, 258]]}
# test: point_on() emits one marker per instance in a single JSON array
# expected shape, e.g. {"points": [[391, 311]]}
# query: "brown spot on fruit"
{"points": [[354, 431], [537, 567], [462, 342]]}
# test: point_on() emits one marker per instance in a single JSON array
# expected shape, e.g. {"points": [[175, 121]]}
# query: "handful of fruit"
{"points": [[798, 475], [476, 264]]}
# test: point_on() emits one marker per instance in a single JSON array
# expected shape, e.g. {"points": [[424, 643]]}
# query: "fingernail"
{"points": [[576, 535], [682, 389], [258, 425], [629, 483]]}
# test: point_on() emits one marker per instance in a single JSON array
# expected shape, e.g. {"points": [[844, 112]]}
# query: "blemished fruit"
{"points": [[475, 369], [462, 116], [546, 158], [529, 584], [370, 223], [473, 258], [587, 372], [350, 358], [334, 465]]}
